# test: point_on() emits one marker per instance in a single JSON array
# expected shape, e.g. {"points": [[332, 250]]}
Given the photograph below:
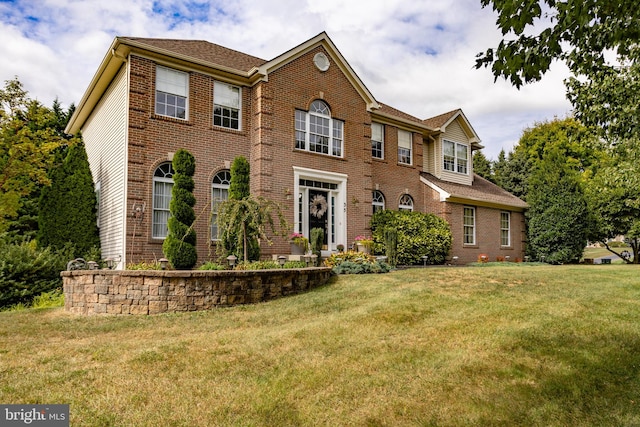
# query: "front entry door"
{"points": [[319, 213]]}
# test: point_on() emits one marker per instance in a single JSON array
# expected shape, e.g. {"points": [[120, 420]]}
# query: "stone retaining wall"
{"points": [[153, 292]]}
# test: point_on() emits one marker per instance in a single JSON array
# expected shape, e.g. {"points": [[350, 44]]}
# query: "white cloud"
{"points": [[416, 56]]}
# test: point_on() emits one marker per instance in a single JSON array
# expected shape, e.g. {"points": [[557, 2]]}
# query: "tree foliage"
{"points": [[28, 137], [605, 92], [67, 208], [579, 33], [613, 196], [558, 220], [482, 165], [241, 221], [180, 244]]}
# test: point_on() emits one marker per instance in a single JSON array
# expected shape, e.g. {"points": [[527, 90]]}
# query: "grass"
{"points": [[496, 346]]}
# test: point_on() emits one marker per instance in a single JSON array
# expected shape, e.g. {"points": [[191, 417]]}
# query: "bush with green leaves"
{"points": [[419, 234], [27, 271], [350, 267], [180, 244]]}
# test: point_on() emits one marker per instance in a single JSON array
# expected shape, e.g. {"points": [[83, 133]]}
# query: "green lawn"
{"points": [[508, 345]]}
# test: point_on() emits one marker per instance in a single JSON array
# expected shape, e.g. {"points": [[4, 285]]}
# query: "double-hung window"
{"points": [[404, 147], [377, 141], [172, 88], [456, 157], [505, 229], [469, 226], [318, 132], [226, 105], [219, 194], [162, 186]]}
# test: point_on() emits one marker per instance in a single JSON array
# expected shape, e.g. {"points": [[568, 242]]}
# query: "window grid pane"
{"points": [[469, 221], [505, 229], [316, 131], [161, 214]]}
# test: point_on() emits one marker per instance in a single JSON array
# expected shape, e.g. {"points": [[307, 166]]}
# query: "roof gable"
{"points": [[440, 123], [335, 57]]}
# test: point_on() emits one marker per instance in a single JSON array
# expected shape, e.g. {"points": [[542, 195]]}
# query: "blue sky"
{"points": [[415, 55]]}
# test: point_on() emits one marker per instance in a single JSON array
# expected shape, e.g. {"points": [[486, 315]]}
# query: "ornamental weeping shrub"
{"points": [[239, 190], [27, 271], [180, 245], [419, 234]]}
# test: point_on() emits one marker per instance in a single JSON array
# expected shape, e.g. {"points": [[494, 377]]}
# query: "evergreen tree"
{"points": [[515, 174], [499, 168], [482, 165], [180, 244], [68, 207], [558, 220], [239, 189]]}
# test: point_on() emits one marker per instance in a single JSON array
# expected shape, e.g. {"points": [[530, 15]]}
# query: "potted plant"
{"points": [[364, 244], [299, 244]]}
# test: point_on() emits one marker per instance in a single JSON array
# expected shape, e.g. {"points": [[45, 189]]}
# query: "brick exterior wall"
{"points": [[267, 140]]}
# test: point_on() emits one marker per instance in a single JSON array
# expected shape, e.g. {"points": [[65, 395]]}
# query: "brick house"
{"points": [[318, 142]]}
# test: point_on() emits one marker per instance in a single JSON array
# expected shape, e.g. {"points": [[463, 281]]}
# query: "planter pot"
{"points": [[297, 249], [363, 248]]}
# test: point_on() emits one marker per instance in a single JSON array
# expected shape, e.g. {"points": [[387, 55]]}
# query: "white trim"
{"points": [[340, 199], [443, 194]]}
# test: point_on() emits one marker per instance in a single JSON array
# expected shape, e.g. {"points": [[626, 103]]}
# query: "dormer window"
{"points": [[455, 157], [318, 132]]}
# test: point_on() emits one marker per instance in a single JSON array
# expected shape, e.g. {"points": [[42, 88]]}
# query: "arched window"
{"points": [[406, 203], [162, 185], [219, 194], [378, 201], [317, 131]]}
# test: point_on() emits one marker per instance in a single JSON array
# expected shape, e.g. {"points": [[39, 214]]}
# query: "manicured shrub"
{"points": [[352, 262], [27, 271], [419, 234], [179, 245]]}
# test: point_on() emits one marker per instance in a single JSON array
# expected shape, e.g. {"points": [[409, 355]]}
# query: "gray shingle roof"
{"points": [[204, 51], [481, 190]]}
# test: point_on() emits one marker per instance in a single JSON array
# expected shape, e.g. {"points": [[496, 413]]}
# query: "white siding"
{"points": [[454, 133], [105, 135]]}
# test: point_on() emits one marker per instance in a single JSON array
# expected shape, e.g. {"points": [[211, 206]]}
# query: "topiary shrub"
{"points": [[419, 234], [180, 244]]}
